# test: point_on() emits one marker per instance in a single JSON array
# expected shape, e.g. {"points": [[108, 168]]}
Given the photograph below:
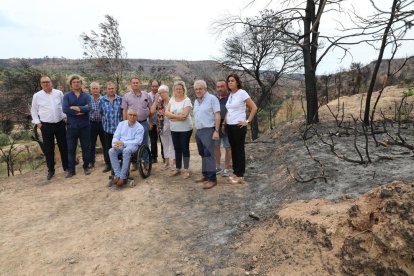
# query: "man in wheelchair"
{"points": [[127, 138]]}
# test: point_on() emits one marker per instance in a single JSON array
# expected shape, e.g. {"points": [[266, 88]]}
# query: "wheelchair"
{"points": [[142, 157]]}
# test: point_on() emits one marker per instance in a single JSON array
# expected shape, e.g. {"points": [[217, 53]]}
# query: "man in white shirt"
{"points": [[47, 114]]}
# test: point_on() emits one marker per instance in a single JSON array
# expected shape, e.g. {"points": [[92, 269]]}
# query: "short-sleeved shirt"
{"points": [[205, 110], [163, 122], [177, 108], [141, 103], [236, 107], [223, 101], [111, 113]]}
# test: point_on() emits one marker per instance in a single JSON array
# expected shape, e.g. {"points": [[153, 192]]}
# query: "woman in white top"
{"points": [[178, 111], [235, 125], [161, 100]]}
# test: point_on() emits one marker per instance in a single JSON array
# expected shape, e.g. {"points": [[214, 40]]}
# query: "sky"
{"points": [[151, 29]]}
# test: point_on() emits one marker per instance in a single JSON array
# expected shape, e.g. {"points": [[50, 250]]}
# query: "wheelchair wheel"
{"points": [[144, 161]]}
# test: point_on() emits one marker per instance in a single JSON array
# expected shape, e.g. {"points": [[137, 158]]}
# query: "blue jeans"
{"points": [[126, 156], [181, 141], [205, 145], [84, 136], [96, 130]]}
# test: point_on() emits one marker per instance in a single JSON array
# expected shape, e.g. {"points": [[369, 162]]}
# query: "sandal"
{"points": [[186, 174], [236, 180]]}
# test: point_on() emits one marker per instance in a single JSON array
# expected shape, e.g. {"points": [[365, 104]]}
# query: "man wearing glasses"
{"points": [[127, 138], [47, 114]]}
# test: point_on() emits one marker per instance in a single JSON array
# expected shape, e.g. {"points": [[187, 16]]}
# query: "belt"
{"points": [[142, 121], [47, 123]]}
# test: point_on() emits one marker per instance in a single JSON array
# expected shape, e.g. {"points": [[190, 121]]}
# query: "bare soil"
{"points": [[272, 225]]}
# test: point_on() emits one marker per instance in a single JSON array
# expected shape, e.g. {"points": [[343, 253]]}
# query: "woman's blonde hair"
{"points": [[182, 84]]}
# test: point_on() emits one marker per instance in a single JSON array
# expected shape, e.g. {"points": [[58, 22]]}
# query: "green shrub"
{"points": [[6, 126], [4, 139], [24, 135]]}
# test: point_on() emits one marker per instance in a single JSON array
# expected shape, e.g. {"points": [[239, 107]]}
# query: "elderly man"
{"points": [[127, 137], [207, 123], [141, 102], [96, 121], [111, 112], [76, 106], [48, 116]]}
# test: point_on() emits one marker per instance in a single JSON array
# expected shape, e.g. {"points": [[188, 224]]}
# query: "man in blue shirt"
{"points": [[111, 112], [77, 105], [207, 123], [127, 138]]}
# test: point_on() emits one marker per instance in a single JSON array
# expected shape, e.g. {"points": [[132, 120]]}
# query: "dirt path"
{"points": [[163, 226]]}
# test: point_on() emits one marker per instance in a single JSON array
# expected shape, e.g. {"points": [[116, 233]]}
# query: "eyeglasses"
{"points": [[45, 82]]}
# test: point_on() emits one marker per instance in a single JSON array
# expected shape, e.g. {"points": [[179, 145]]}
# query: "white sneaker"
{"points": [[218, 170], [225, 173]]}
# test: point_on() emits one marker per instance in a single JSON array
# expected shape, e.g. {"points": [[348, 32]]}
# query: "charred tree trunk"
{"points": [[378, 63], [310, 47], [255, 128]]}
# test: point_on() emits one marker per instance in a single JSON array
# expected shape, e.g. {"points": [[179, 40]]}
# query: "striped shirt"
{"points": [[111, 113], [94, 114]]}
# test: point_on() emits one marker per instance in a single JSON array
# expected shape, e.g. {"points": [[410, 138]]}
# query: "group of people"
{"points": [[123, 123]]}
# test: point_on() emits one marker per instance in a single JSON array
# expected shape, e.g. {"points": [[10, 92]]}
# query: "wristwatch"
{"points": [[216, 129]]}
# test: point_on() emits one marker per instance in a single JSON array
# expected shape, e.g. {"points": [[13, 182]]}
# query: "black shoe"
{"points": [[87, 171], [50, 175], [106, 169], [69, 174]]}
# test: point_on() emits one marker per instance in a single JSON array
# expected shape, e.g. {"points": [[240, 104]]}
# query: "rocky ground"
{"points": [[348, 223]]}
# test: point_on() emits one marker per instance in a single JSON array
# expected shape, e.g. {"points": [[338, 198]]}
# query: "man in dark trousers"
{"points": [[48, 116], [76, 106]]}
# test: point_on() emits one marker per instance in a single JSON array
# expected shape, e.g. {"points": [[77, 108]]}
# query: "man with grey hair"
{"points": [[96, 121], [207, 123], [127, 138]]}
